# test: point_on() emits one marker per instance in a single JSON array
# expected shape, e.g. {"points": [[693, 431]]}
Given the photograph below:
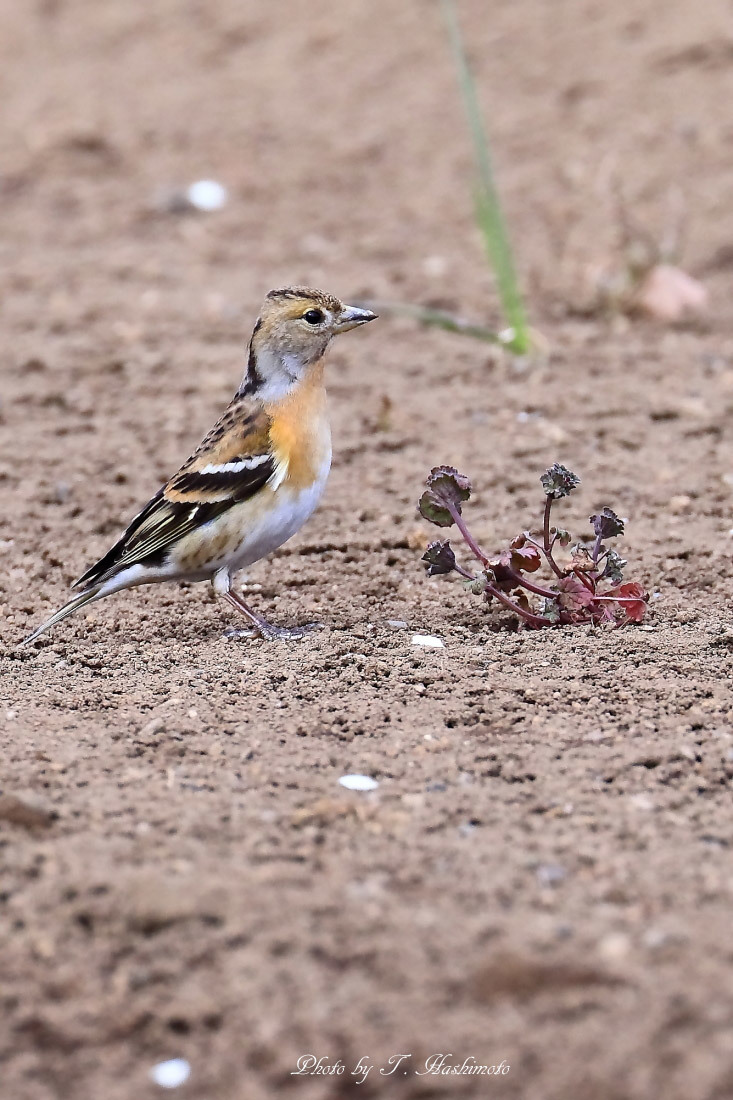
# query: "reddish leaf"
{"points": [[632, 599], [500, 569], [526, 558], [574, 596]]}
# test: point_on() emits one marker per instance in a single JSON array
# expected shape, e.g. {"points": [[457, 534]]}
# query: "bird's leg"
{"points": [[222, 585], [261, 625], [264, 628]]}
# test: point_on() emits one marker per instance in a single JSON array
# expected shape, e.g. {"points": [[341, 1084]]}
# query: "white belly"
{"points": [[288, 512]]}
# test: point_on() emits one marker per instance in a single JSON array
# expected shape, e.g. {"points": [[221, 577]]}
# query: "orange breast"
{"points": [[299, 431]]}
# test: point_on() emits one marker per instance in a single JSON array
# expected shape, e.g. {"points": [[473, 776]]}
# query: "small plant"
{"points": [[588, 589]]}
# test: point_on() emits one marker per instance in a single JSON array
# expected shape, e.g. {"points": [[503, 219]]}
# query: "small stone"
{"points": [[415, 538], [47, 657], [680, 504], [428, 641], [153, 727], [397, 624], [686, 617], [550, 874], [171, 1074], [435, 266], [614, 946], [642, 802], [668, 294], [358, 782], [207, 195], [657, 938]]}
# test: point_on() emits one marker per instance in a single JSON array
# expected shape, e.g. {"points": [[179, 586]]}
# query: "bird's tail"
{"points": [[85, 597]]}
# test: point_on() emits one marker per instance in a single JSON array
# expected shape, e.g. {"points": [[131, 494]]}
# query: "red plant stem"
{"points": [[533, 620], [621, 599], [547, 542], [538, 591], [464, 572], [473, 546], [584, 577]]}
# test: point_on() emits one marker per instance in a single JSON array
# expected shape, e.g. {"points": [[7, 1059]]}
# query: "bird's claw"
{"points": [[270, 633]]}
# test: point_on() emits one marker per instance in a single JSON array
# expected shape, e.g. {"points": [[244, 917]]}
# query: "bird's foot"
{"points": [[270, 633]]}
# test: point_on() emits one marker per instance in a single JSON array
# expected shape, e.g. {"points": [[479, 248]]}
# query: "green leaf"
{"points": [[551, 611]]}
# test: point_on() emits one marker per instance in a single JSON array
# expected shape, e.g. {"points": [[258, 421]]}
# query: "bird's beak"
{"points": [[352, 317]]}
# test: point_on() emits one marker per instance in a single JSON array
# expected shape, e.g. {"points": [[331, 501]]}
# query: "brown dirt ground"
{"points": [[544, 874]]}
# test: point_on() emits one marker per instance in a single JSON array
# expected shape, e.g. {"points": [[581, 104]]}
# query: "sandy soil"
{"points": [[544, 874]]}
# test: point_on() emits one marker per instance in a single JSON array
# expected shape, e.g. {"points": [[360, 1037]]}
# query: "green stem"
{"points": [[488, 207], [438, 318]]}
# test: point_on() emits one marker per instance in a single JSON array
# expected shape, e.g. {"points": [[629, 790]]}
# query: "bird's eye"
{"points": [[313, 316]]}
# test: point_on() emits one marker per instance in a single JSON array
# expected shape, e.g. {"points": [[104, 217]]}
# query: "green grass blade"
{"points": [[488, 209], [438, 318]]}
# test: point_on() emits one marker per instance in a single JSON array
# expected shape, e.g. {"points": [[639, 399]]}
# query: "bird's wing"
{"points": [[233, 462]]}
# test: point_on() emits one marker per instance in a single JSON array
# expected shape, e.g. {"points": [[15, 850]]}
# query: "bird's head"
{"points": [[294, 329]]}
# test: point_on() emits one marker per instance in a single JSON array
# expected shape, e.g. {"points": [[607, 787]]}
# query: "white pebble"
{"points": [[207, 195], [428, 640], [397, 624], [169, 1075], [358, 782]]}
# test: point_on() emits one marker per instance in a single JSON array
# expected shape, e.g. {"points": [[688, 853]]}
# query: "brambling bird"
{"points": [[256, 477]]}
